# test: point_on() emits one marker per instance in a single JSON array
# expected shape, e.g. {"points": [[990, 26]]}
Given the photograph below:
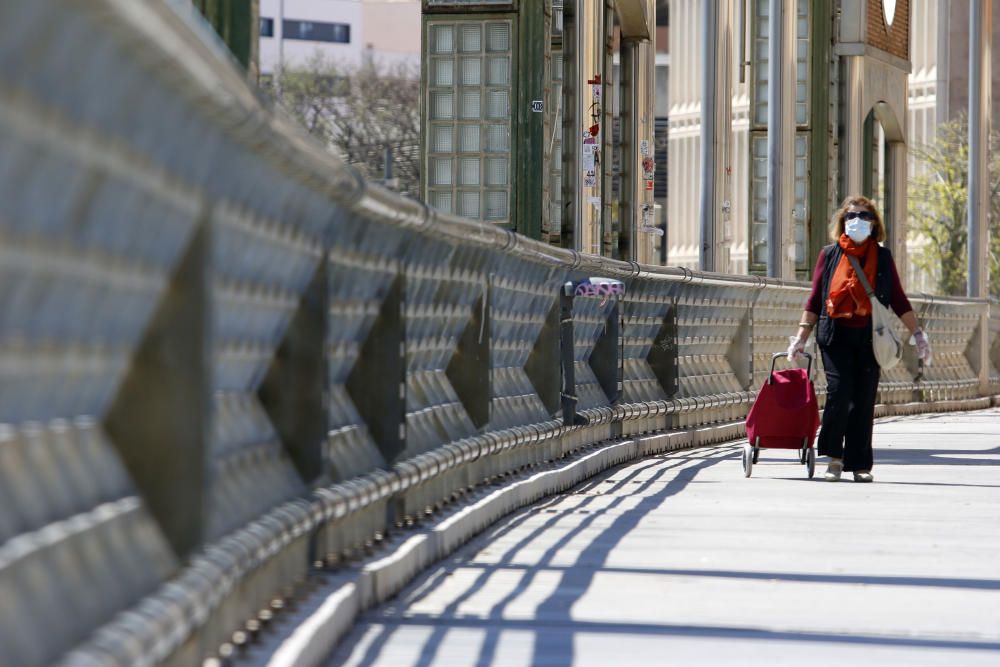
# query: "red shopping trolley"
{"points": [[784, 416]]}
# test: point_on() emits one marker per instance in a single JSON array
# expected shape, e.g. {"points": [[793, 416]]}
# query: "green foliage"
{"points": [[939, 204], [236, 23], [359, 112]]}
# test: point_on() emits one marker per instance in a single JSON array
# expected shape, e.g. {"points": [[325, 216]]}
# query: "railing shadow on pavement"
{"points": [[556, 646], [671, 474]]}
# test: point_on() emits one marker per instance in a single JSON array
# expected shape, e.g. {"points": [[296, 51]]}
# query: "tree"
{"points": [[360, 112], [939, 207]]}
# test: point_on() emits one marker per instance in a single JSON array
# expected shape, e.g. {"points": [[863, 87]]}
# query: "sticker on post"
{"points": [[589, 154], [644, 148], [537, 106]]}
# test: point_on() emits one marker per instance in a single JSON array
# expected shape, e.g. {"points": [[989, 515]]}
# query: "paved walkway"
{"points": [[680, 560]]}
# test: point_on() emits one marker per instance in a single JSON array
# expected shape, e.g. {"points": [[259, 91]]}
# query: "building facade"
{"points": [[841, 66], [939, 87], [349, 32], [540, 116], [867, 80]]}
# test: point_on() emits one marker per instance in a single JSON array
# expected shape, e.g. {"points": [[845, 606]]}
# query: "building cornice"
{"points": [[869, 51]]}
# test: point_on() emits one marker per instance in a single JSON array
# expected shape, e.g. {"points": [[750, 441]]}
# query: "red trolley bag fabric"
{"points": [[785, 411]]}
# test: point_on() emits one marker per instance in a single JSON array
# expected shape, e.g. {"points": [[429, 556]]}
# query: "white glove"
{"points": [[795, 346], [923, 344]]}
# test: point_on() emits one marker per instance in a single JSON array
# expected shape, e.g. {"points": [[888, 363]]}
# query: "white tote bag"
{"points": [[886, 343]]}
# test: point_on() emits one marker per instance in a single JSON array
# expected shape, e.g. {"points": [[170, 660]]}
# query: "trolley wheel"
{"points": [[803, 451], [747, 459], [756, 454], [811, 462]]}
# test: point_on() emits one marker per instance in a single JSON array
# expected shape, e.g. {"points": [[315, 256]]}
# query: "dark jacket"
{"points": [[883, 287]]}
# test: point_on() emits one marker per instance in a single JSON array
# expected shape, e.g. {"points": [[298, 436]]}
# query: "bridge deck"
{"points": [[680, 560]]}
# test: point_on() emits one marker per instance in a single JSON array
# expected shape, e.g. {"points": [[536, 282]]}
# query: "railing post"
{"points": [[978, 352], [569, 398]]}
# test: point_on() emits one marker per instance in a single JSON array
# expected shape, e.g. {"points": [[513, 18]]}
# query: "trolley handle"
{"points": [[774, 358]]}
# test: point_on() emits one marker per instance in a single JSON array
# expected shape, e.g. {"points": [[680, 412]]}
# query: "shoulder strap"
{"points": [[861, 275]]}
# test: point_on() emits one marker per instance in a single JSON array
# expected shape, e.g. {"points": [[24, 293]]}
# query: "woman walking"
{"points": [[840, 304]]}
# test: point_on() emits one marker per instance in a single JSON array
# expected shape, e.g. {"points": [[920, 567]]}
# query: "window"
{"points": [[663, 12], [266, 27], [759, 117], [758, 197], [315, 31], [508, 4], [468, 133]]}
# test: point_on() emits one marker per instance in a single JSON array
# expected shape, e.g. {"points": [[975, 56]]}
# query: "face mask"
{"points": [[858, 229]]}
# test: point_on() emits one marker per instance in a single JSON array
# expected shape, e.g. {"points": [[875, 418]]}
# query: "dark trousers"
{"points": [[851, 382]]}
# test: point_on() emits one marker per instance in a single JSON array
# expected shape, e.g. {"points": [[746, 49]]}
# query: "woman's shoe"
{"points": [[863, 476], [833, 470]]}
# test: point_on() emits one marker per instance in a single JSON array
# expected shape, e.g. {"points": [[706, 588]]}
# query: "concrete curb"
{"points": [[958, 405]]}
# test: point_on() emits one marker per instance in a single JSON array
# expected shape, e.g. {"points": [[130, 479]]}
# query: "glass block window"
{"points": [[801, 200], [758, 199], [469, 117], [802, 64], [441, 140], [761, 61], [557, 18], [758, 149], [441, 201], [554, 107]]}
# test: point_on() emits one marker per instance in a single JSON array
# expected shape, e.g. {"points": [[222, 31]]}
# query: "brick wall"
{"points": [[896, 40]]}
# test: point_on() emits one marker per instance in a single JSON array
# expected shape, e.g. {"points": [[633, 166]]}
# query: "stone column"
{"points": [[781, 141], [898, 205]]}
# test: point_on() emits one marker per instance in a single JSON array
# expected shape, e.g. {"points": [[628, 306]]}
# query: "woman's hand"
{"points": [[923, 347], [795, 346], [797, 343]]}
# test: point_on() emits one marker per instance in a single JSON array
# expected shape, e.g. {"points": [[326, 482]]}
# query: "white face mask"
{"points": [[858, 229]]}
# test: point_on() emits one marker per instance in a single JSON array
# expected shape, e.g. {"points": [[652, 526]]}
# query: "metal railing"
{"points": [[225, 357]]}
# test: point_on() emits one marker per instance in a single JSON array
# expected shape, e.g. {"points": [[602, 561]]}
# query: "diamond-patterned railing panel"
{"points": [[645, 307], [707, 321], [521, 295], [440, 292], [590, 316], [361, 271], [260, 269]]}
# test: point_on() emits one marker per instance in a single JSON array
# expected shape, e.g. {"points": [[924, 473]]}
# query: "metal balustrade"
{"points": [[225, 357]]}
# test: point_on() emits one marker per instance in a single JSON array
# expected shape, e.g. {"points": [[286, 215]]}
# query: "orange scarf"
{"points": [[847, 297]]}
